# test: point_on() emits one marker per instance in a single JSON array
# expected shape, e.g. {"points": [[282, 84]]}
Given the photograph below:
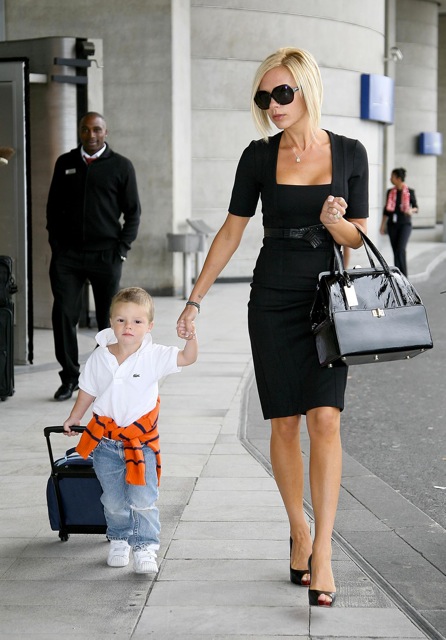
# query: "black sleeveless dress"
{"points": [[289, 378]]}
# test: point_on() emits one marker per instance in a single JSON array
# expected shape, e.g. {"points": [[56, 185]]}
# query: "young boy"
{"points": [[120, 379]]}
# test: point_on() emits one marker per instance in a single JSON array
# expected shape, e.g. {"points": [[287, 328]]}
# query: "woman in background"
{"points": [[401, 203]]}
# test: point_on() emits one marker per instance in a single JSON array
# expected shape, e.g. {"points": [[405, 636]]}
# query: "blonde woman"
{"points": [[313, 185]]}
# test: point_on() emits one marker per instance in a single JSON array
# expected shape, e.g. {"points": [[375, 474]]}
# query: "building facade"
{"points": [[176, 89]]}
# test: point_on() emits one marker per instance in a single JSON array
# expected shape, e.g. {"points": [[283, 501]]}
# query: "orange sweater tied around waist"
{"points": [[142, 431]]}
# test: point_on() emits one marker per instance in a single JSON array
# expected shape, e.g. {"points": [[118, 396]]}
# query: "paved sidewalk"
{"points": [[224, 557]]}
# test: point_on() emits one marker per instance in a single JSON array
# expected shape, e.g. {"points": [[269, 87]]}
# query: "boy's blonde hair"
{"points": [[305, 71], [137, 296]]}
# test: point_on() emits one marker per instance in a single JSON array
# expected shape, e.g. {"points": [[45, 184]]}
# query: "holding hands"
{"points": [[185, 323], [186, 331]]}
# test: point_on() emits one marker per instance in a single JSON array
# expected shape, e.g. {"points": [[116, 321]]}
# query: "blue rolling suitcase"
{"points": [[73, 493]]}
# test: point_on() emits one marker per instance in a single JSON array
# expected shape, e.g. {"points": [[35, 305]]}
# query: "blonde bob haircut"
{"points": [[305, 71], [137, 296]]}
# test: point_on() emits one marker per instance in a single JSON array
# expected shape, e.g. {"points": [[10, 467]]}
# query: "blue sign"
{"points": [[377, 97], [430, 143]]}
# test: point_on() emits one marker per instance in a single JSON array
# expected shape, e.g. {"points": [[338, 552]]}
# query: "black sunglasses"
{"points": [[283, 94]]}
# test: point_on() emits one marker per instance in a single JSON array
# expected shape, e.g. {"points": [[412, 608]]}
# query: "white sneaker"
{"points": [[118, 555], [144, 561]]}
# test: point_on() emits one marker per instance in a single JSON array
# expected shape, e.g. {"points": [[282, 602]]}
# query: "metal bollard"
{"points": [[203, 230], [187, 244]]}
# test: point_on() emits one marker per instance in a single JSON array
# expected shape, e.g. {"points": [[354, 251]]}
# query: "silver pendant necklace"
{"points": [[300, 156]]}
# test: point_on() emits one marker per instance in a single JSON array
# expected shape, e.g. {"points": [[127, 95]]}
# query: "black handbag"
{"points": [[365, 315]]}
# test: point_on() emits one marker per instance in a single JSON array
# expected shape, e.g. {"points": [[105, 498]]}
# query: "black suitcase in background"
{"points": [[73, 493], [7, 284], [7, 289], [6, 353]]}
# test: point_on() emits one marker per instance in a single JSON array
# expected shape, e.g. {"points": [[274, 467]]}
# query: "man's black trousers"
{"points": [[69, 271]]}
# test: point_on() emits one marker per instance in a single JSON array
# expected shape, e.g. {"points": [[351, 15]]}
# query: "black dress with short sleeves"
{"points": [[289, 378]]}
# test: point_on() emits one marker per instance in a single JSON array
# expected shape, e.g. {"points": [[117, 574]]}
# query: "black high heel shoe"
{"points": [[296, 575], [313, 594]]}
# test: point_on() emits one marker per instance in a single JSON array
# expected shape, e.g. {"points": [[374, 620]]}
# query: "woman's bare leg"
{"points": [[286, 460], [325, 478]]}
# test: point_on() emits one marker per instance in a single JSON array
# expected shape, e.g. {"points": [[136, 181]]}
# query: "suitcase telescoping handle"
{"points": [[48, 431]]}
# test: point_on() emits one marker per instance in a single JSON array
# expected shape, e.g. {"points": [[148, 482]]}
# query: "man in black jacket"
{"points": [[92, 187]]}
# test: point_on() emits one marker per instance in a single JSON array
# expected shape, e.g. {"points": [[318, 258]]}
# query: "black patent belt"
{"points": [[315, 234]]}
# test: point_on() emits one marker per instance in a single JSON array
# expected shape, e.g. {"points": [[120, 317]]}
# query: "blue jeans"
{"points": [[129, 509]]}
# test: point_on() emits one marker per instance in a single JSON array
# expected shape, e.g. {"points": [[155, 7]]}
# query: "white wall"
{"points": [[185, 141], [137, 75], [441, 164], [229, 41], [416, 100]]}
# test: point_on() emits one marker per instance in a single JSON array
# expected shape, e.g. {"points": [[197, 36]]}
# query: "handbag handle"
{"points": [[371, 251]]}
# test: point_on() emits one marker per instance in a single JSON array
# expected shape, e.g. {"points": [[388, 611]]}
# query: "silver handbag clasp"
{"points": [[378, 313]]}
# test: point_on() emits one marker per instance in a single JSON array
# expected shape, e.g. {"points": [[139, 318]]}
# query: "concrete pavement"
{"points": [[225, 556]]}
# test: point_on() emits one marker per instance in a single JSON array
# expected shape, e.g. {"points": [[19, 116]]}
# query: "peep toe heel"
{"points": [[296, 575], [313, 594]]}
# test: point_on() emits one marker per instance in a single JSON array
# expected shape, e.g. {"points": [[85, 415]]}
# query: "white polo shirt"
{"points": [[128, 391]]}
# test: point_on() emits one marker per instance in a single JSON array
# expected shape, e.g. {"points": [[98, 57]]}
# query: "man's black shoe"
{"points": [[65, 391]]}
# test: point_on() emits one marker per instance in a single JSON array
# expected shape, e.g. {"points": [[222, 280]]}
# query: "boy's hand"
{"points": [[83, 401], [185, 323], [71, 423], [190, 352], [186, 329]]}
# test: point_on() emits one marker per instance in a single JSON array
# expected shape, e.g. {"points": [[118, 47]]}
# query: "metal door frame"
{"points": [[16, 239]]}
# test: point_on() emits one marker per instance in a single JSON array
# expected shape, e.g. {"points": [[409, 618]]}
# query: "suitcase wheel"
{"points": [[63, 536]]}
